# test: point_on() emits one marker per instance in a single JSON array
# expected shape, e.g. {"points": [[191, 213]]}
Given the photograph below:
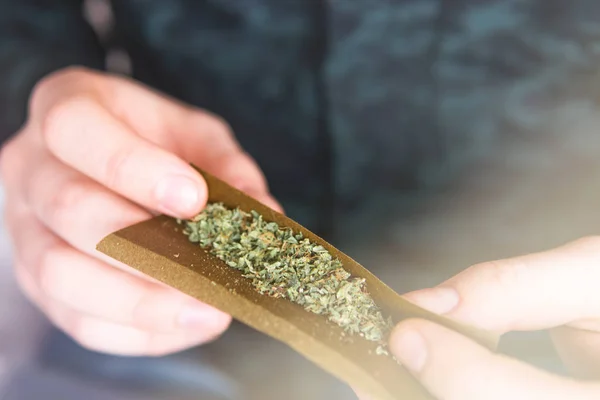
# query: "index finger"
{"points": [[85, 136]]}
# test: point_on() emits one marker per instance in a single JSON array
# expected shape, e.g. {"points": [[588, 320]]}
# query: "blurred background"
{"points": [[521, 173]]}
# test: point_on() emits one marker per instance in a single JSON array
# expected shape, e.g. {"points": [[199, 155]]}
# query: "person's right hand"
{"points": [[555, 290], [98, 153]]}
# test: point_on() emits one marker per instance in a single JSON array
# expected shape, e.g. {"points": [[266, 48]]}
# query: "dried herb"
{"points": [[282, 263]]}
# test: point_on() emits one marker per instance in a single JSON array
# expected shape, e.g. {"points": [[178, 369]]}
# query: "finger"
{"points": [[85, 136], [212, 147], [195, 135], [63, 198], [77, 209], [360, 395], [95, 289], [100, 335], [241, 171], [267, 200], [26, 229], [452, 367], [533, 292], [108, 337], [579, 349]]}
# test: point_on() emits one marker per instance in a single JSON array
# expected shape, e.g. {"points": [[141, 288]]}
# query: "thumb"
{"points": [[532, 292], [451, 367]]}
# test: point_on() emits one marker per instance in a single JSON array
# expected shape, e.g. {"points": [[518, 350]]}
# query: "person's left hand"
{"points": [[557, 290]]}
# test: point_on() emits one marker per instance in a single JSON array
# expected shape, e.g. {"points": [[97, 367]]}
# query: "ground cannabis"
{"points": [[282, 263]]}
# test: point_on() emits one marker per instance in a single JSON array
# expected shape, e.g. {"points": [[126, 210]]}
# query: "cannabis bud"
{"points": [[282, 263]]}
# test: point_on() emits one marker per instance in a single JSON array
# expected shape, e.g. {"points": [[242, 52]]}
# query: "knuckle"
{"points": [[60, 117], [40, 92], [42, 89], [117, 166], [59, 86], [50, 279], [65, 202], [501, 273]]}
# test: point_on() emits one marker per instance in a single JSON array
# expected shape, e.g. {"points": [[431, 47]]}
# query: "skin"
{"points": [[555, 290], [99, 153]]}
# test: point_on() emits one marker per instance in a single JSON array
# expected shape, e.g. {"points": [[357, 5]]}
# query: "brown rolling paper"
{"points": [[158, 248]]}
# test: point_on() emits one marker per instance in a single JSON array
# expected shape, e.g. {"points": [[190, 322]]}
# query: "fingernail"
{"points": [[194, 316], [438, 300], [178, 195], [410, 348]]}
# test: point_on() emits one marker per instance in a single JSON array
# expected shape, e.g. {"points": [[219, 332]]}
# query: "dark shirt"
{"points": [[336, 99]]}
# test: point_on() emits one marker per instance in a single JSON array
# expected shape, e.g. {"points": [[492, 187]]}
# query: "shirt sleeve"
{"points": [[37, 38]]}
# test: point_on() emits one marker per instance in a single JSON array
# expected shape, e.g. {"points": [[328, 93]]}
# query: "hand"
{"points": [[98, 153], [557, 290]]}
